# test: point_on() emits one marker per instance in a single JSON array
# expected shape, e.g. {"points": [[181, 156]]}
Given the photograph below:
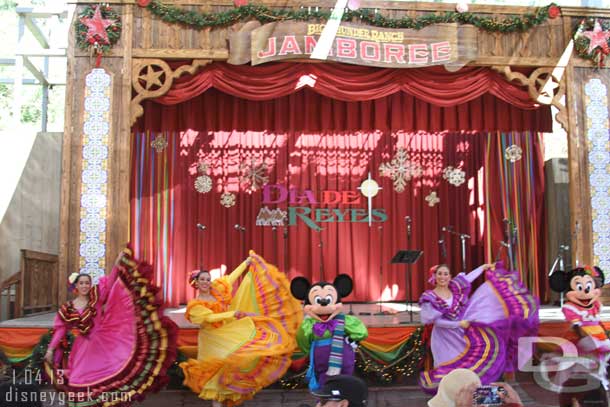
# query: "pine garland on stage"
{"points": [[197, 20]]}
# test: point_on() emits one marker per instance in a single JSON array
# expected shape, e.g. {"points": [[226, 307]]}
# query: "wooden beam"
{"points": [[10, 81], [35, 71], [36, 32], [40, 12], [47, 52], [214, 54], [385, 5]]}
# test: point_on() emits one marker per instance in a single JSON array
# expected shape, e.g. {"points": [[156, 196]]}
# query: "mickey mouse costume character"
{"points": [[581, 287], [328, 335]]}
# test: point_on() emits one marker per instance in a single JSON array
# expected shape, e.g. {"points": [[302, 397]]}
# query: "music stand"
{"points": [[407, 257]]}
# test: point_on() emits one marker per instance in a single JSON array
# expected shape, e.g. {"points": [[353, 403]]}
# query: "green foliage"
{"points": [[7, 5], [192, 19]]}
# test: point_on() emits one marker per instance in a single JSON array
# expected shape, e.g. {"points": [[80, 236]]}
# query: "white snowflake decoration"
{"points": [[513, 153], [432, 199], [254, 175], [227, 199], [455, 176], [447, 171], [203, 184], [400, 169], [159, 143]]}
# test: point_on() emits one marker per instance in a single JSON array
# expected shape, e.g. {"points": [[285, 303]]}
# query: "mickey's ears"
{"points": [[344, 285], [299, 287]]}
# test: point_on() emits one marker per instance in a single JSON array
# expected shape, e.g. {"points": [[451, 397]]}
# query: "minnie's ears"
{"points": [[560, 281]]}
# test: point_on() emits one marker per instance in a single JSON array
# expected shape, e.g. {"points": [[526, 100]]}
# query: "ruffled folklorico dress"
{"points": [[124, 344], [500, 312], [236, 358]]}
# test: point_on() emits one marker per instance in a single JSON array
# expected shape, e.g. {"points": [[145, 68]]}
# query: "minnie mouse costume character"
{"points": [[582, 289], [328, 335]]}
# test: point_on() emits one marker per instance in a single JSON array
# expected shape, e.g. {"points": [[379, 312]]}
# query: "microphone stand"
{"points": [[321, 246], [559, 260], [509, 240], [201, 249], [380, 270], [409, 307], [274, 236], [463, 237], [285, 249]]}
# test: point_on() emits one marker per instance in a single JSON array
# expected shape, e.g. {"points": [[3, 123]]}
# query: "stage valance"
{"points": [[349, 83]]}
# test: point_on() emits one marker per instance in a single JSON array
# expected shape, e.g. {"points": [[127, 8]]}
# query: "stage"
{"points": [[387, 333], [389, 327]]}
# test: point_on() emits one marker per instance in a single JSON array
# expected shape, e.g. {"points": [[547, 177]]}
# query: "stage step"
{"points": [[391, 396]]}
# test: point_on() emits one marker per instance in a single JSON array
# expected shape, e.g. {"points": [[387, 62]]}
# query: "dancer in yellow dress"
{"points": [[246, 340]]}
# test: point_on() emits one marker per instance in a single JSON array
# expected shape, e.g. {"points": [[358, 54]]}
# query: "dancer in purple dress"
{"points": [[479, 333]]}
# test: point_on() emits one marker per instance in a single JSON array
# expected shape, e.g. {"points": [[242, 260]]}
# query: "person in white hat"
{"points": [[450, 386]]}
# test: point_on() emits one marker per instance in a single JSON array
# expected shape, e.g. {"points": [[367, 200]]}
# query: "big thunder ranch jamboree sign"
{"points": [[452, 45]]}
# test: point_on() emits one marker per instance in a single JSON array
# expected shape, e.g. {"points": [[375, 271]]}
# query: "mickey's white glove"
{"points": [[351, 343]]}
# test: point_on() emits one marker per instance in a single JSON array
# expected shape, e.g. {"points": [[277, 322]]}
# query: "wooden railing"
{"points": [[10, 301], [34, 288], [38, 281]]}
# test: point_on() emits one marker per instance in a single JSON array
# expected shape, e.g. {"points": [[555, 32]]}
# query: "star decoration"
{"points": [[254, 175], [159, 143], [227, 199], [432, 199], [597, 38], [513, 153], [400, 169], [96, 27], [151, 78]]}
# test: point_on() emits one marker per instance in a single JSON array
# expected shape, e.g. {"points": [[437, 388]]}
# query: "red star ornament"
{"points": [[597, 38], [96, 27]]}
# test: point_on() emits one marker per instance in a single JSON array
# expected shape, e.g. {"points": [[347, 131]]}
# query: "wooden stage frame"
{"points": [[147, 42]]}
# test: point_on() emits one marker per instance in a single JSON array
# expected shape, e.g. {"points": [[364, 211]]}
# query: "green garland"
{"points": [[113, 31], [174, 15], [406, 364], [581, 43]]}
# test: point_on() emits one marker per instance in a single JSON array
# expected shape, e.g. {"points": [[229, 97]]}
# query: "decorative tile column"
{"points": [[598, 138], [94, 176]]}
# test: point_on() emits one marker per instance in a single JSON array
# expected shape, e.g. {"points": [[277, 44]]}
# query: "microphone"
{"points": [[447, 228], [443, 248], [464, 236], [408, 220], [200, 226], [239, 227]]}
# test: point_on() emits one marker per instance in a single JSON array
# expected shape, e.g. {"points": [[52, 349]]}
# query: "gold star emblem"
{"points": [[151, 78]]}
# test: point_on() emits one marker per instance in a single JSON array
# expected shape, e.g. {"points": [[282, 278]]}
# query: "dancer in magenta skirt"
{"points": [[123, 343]]}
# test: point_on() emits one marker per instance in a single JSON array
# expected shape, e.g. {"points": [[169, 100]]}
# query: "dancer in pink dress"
{"points": [[479, 333], [124, 344]]}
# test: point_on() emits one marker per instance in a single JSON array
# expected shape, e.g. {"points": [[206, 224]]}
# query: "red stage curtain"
{"points": [[311, 141], [352, 83]]}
